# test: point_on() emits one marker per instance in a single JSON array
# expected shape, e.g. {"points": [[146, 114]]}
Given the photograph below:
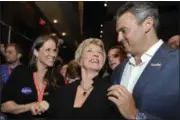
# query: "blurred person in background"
{"points": [[12, 54], [115, 55], [73, 71], [62, 70], [174, 42]]}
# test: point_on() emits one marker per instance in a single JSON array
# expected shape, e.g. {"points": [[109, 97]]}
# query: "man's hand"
{"points": [[119, 95]]}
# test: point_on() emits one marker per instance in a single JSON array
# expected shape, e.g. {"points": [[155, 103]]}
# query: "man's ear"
{"points": [[35, 52], [148, 24], [19, 55]]}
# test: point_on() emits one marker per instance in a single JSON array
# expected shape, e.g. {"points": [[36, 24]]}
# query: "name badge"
{"points": [[156, 64], [26, 90]]}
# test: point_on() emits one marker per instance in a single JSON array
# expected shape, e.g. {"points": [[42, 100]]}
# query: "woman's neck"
{"points": [[41, 71], [87, 78]]}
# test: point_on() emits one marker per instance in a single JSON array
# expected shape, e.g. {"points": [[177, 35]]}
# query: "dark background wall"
{"points": [[24, 18], [24, 21]]}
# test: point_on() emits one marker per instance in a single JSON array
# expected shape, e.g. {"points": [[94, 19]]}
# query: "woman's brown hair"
{"points": [[50, 74]]}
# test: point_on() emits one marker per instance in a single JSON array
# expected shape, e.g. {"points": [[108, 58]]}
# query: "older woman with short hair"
{"points": [[84, 98]]}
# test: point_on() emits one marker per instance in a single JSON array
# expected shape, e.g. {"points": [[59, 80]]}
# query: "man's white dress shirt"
{"points": [[132, 72]]}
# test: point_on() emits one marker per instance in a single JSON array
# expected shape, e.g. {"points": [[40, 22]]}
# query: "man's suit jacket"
{"points": [[157, 90]]}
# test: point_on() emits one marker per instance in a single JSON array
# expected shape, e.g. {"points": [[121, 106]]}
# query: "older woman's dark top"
{"points": [[96, 106]]}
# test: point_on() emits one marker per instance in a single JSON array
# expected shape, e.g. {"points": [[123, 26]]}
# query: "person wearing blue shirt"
{"points": [[12, 55]]}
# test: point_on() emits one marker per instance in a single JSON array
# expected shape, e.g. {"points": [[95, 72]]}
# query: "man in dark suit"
{"points": [[146, 85]]}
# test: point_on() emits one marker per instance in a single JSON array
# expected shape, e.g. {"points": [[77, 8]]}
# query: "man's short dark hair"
{"points": [[16, 46], [141, 10]]}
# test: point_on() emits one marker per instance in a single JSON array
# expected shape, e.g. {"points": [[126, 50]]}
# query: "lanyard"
{"points": [[40, 91]]}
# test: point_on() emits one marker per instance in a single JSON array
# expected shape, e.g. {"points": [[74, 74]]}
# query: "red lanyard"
{"points": [[40, 92]]}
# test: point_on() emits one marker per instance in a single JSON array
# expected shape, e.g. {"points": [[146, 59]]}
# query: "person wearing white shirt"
{"points": [[146, 84]]}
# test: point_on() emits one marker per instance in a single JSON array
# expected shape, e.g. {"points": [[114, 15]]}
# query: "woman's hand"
{"points": [[43, 106], [37, 108]]}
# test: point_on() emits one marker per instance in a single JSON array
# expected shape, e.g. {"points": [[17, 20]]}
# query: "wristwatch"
{"points": [[140, 116]]}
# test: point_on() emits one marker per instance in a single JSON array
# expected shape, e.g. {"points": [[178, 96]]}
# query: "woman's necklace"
{"points": [[85, 90]]}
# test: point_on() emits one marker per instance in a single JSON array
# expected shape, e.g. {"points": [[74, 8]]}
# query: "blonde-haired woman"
{"points": [[84, 98]]}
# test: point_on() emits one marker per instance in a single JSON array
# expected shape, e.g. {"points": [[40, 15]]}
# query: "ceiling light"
{"points": [[101, 25], [105, 4], [100, 36], [101, 31], [63, 34], [55, 21]]}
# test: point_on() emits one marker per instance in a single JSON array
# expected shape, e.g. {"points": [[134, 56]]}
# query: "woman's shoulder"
{"points": [[63, 93], [70, 85], [102, 80], [68, 88]]}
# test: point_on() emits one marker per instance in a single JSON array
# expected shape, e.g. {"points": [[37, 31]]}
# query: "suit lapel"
{"points": [[151, 72]]}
